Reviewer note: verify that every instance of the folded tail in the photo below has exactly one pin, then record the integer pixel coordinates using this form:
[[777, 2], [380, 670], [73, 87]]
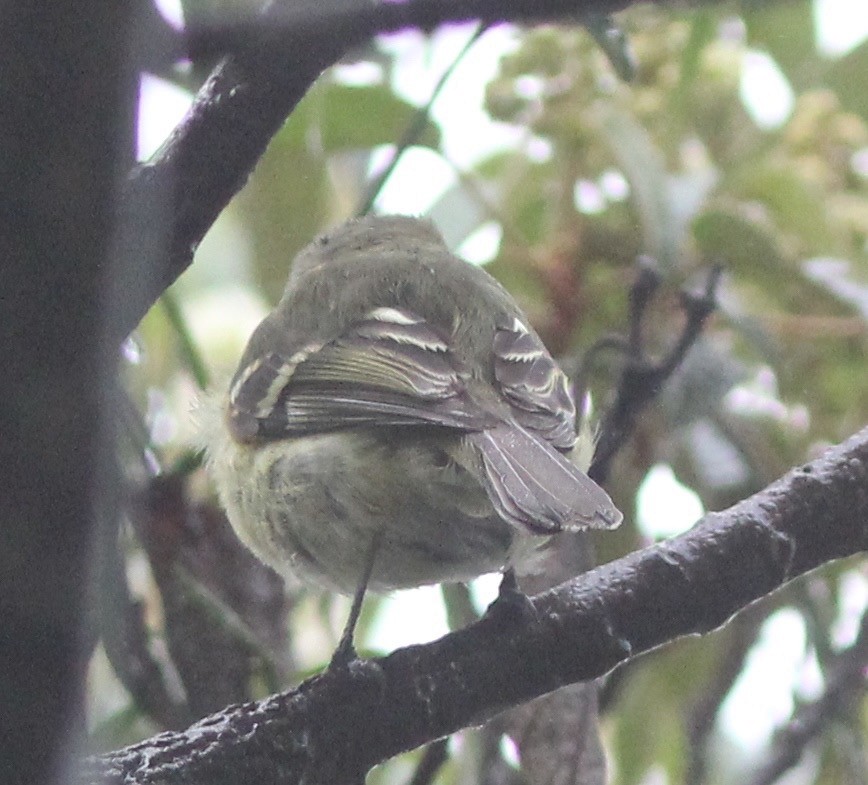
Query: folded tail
[[533, 486]]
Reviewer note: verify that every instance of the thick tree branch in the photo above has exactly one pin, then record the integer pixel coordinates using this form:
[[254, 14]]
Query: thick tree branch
[[333, 728], [169, 203], [65, 122], [362, 20]]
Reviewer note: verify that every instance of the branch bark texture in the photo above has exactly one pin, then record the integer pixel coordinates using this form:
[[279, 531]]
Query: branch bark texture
[[170, 202], [336, 726]]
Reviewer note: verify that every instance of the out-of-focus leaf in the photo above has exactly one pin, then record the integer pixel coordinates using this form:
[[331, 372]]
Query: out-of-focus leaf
[[746, 247], [682, 99], [290, 195], [786, 32], [649, 726], [523, 209], [459, 211], [703, 28], [753, 253], [366, 116], [643, 165], [797, 206], [848, 77], [286, 201], [837, 276]]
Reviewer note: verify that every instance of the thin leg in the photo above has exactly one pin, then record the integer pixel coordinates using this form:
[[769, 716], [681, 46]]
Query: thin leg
[[346, 652], [508, 585], [511, 604]]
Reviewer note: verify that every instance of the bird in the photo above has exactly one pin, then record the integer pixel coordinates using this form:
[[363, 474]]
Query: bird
[[396, 421]]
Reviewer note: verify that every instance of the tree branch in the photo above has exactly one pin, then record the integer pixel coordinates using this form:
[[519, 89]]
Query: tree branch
[[169, 203], [66, 117], [334, 727], [362, 20], [845, 684]]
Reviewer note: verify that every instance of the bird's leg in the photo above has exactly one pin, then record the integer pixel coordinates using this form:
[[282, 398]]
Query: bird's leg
[[511, 603], [345, 653]]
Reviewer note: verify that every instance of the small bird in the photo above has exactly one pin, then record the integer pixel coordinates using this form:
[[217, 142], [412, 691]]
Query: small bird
[[395, 421]]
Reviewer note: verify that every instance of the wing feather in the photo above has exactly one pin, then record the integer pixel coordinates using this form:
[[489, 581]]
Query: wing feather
[[534, 385], [535, 487], [392, 368]]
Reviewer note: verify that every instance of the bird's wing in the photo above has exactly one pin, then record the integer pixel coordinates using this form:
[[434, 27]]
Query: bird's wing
[[391, 368], [528, 479], [536, 388]]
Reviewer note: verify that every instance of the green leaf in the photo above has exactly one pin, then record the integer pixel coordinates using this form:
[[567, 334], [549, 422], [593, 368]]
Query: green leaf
[[798, 206], [286, 201], [644, 167], [703, 30], [662, 687], [753, 252], [364, 117], [743, 245], [839, 278], [786, 31], [848, 77]]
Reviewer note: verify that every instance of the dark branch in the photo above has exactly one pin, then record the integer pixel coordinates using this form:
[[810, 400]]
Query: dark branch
[[846, 684], [363, 19], [125, 638], [334, 729], [168, 204], [436, 754], [642, 379]]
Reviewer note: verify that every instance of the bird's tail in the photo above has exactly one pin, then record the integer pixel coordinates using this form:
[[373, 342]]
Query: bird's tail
[[533, 486]]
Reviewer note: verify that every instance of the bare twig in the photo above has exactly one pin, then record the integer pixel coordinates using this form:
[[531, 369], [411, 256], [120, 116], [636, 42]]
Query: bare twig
[[416, 128], [642, 379], [846, 684]]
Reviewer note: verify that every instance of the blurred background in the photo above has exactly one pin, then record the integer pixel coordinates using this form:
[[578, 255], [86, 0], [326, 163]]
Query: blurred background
[[724, 134]]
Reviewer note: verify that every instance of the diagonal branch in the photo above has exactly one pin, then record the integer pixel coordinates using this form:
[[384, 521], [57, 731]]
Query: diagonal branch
[[333, 728], [169, 203], [846, 682]]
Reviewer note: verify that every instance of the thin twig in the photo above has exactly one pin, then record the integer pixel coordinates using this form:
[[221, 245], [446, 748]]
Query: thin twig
[[189, 351], [169, 203], [416, 127], [846, 684], [642, 379]]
